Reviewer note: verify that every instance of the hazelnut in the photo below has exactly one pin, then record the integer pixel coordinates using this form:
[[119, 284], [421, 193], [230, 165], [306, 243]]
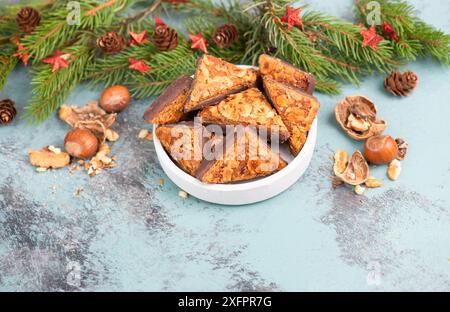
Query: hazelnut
[[81, 143], [380, 149], [115, 99]]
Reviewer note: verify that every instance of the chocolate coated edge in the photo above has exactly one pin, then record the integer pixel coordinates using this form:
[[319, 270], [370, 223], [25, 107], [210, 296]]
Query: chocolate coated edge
[[174, 90], [287, 86], [311, 78]]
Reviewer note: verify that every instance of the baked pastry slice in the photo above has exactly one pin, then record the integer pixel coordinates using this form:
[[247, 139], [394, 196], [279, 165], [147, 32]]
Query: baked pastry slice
[[215, 79], [249, 107], [244, 156], [184, 143], [282, 71], [169, 106], [297, 109]]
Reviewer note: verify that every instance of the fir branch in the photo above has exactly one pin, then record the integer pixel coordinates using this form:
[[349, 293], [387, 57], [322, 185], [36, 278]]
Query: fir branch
[[51, 89], [7, 63], [415, 36]]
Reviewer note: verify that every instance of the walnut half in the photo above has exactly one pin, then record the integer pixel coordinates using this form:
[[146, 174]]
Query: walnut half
[[357, 116], [49, 157]]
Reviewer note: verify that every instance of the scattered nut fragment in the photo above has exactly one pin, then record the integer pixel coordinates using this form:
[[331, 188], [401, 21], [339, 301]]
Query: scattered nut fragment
[[100, 161], [402, 148], [335, 182], [149, 136], [340, 162], [372, 182], [143, 134], [111, 135], [394, 170], [359, 189], [183, 194], [74, 168], [79, 191], [46, 158], [161, 181], [41, 169]]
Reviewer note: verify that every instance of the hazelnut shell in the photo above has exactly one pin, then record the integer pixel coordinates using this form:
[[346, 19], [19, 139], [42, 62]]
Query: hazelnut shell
[[366, 107], [380, 149], [81, 143], [115, 99]]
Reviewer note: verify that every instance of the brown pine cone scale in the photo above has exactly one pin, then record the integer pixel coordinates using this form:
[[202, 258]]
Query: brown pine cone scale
[[165, 38], [224, 36], [27, 19], [7, 111], [401, 84], [111, 42]]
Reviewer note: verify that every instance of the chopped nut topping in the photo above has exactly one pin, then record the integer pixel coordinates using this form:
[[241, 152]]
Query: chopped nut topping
[[394, 170]]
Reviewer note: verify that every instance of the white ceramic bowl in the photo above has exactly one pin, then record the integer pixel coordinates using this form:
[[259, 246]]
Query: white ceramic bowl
[[245, 192]]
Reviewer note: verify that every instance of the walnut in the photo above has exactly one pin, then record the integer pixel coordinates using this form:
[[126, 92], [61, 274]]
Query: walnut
[[357, 116], [49, 157], [357, 170], [90, 117], [402, 148]]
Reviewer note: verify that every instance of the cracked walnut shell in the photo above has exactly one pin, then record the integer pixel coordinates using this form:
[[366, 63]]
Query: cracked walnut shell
[[357, 170], [357, 117]]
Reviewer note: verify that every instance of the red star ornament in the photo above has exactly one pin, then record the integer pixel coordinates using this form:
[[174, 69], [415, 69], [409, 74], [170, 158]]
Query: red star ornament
[[198, 42], [58, 60], [389, 31], [21, 53], [370, 37], [159, 21], [292, 17], [138, 65], [138, 38]]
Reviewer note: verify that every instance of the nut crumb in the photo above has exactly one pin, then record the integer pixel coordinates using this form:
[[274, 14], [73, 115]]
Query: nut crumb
[[143, 134], [74, 168], [372, 182], [41, 169], [53, 149], [149, 136], [79, 191], [111, 135], [359, 189], [161, 181], [394, 170], [183, 194]]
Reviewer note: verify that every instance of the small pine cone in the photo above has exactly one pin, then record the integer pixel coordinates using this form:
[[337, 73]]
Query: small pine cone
[[401, 84], [165, 38], [7, 111], [111, 42], [224, 36], [27, 19]]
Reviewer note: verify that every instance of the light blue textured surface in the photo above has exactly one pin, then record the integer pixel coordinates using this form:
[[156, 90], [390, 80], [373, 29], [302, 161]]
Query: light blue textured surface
[[128, 233]]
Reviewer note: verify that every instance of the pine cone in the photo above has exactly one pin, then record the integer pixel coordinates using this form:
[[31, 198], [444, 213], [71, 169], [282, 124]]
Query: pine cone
[[7, 111], [111, 42], [401, 84], [27, 19], [224, 36], [165, 38]]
